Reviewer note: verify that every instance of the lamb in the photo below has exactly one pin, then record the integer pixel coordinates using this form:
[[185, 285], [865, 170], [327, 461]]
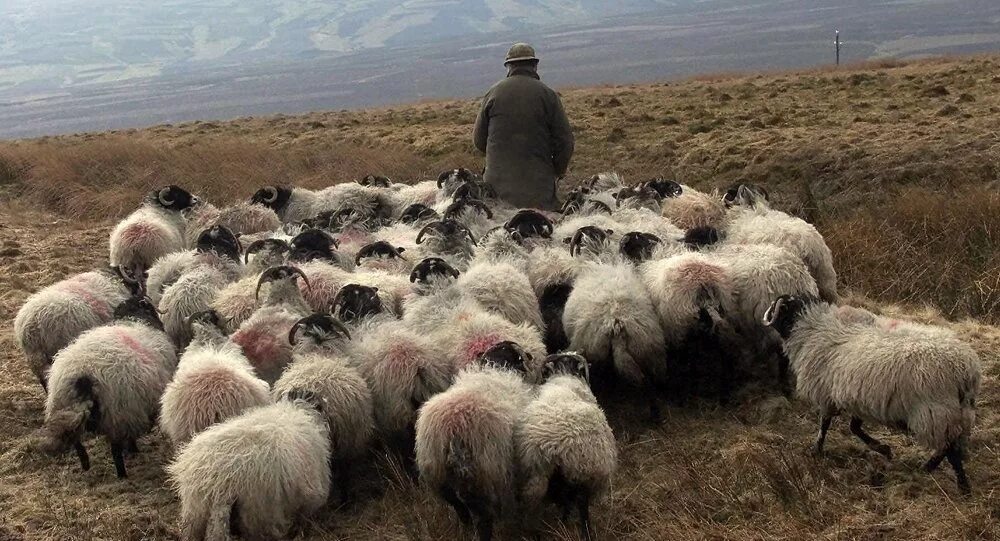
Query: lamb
[[108, 381], [52, 318], [759, 224], [263, 337], [257, 473], [292, 205], [918, 377], [320, 368], [152, 231], [214, 382], [465, 437], [616, 327], [565, 448]]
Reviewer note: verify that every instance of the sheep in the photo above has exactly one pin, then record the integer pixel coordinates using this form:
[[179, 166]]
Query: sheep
[[530, 223], [565, 448], [472, 213], [320, 368], [380, 255], [616, 326], [263, 337], [197, 288], [376, 181], [502, 289], [418, 213], [692, 208], [52, 318], [638, 197], [469, 330], [166, 271], [317, 244], [918, 377], [256, 473], [241, 218], [108, 381], [267, 253], [447, 238], [759, 224], [356, 303], [465, 437], [214, 382], [499, 244], [403, 368], [450, 180], [290, 204], [435, 301], [152, 231]]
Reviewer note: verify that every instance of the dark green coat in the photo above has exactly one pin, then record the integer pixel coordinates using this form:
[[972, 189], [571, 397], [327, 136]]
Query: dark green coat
[[527, 139]]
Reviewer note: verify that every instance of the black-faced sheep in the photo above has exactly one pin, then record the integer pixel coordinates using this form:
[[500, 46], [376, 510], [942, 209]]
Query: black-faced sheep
[[154, 230]]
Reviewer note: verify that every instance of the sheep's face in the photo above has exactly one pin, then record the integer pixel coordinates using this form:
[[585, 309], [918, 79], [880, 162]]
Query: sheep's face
[[699, 237], [355, 301], [450, 231], [747, 195], [589, 237], [507, 355], [172, 198], [273, 197], [637, 197], [530, 223], [280, 274], [375, 181], [638, 246], [567, 363], [136, 286], [458, 207], [417, 213], [451, 179], [272, 250], [784, 312], [666, 188], [139, 308], [319, 328], [379, 249], [221, 240], [312, 244], [430, 268], [474, 189]]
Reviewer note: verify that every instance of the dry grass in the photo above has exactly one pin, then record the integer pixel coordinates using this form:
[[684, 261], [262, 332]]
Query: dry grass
[[900, 176]]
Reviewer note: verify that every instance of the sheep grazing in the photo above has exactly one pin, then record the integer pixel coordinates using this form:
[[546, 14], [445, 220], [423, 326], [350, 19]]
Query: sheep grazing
[[52, 318], [566, 450], [108, 381], [214, 382], [152, 231], [263, 336], [465, 437], [321, 369], [900, 374], [256, 474]]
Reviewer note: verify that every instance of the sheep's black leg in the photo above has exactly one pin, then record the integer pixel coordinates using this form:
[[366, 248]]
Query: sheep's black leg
[[344, 475], [583, 508], [935, 461], [118, 454], [485, 527], [408, 452], [45, 384], [786, 388], [824, 425], [871, 442], [81, 453], [449, 495], [954, 455], [133, 446], [484, 521]]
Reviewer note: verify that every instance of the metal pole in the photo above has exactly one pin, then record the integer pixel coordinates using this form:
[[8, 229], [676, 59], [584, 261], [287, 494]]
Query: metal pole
[[837, 42]]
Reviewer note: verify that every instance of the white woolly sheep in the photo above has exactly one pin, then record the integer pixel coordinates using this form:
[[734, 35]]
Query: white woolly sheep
[[52, 318], [292, 205], [260, 472], [502, 289], [214, 382], [154, 230], [108, 381], [465, 437], [241, 218], [900, 374], [690, 209], [566, 450]]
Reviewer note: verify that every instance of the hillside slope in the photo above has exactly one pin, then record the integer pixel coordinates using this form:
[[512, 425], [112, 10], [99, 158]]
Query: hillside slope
[[897, 164]]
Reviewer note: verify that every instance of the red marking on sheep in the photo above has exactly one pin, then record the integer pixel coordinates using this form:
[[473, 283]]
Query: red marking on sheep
[[892, 324], [142, 353], [261, 347], [475, 347], [400, 357], [79, 289], [699, 273], [138, 232]]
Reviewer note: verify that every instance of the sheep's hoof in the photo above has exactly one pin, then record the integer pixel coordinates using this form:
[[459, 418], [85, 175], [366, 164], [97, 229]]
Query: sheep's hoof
[[884, 450]]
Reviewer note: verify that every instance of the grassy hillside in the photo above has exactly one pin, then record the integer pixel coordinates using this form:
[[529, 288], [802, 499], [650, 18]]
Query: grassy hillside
[[897, 165]]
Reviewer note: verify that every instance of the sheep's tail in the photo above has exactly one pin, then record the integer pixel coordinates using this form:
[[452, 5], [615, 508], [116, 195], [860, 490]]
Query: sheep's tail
[[220, 517], [65, 427], [624, 362], [458, 467]]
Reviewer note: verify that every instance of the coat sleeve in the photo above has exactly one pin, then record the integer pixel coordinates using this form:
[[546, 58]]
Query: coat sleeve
[[562, 137], [480, 134]]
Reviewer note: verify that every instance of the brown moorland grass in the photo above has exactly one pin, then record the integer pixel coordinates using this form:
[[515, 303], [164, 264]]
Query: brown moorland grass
[[897, 164]]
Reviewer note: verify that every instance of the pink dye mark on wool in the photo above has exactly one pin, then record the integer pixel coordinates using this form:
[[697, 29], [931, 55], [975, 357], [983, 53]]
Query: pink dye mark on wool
[[261, 347], [475, 347], [891, 324], [99, 307], [399, 359], [138, 232], [698, 273], [142, 353]]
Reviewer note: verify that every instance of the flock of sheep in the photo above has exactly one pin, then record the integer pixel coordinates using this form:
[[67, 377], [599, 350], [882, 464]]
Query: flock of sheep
[[275, 341]]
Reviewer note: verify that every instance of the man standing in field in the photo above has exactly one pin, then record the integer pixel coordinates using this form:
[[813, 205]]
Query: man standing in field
[[525, 134]]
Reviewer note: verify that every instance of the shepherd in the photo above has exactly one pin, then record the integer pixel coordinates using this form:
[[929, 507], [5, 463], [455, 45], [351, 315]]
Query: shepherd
[[525, 134]]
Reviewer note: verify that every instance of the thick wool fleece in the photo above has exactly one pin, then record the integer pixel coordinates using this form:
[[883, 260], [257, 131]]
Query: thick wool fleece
[[465, 435], [53, 317], [907, 374], [693, 209], [502, 289], [146, 235], [129, 365], [564, 430], [272, 463]]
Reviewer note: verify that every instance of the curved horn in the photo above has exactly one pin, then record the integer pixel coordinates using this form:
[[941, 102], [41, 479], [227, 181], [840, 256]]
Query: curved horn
[[414, 274], [338, 301], [574, 243], [467, 232], [254, 247], [433, 226], [305, 278], [772, 311], [477, 204], [272, 194], [295, 329], [164, 198], [339, 325], [443, 177]]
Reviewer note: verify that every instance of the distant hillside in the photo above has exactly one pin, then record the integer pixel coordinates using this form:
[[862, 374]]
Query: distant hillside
[[92, 65]]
